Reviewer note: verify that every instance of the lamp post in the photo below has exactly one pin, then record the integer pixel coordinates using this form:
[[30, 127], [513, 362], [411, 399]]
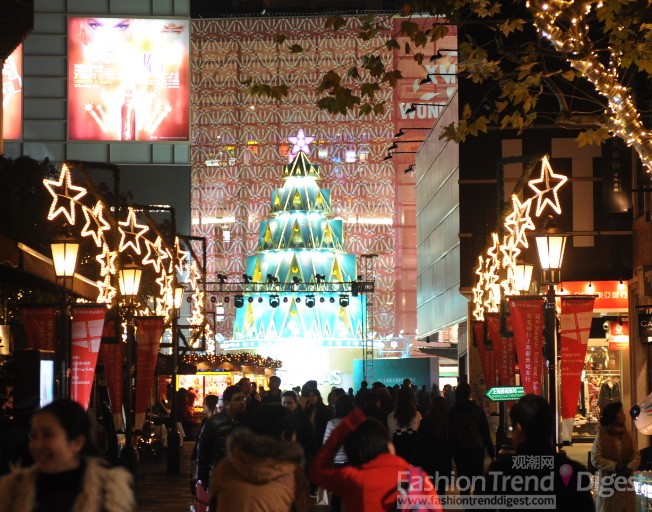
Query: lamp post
[[129, 280], [174, 438], [65, 249], [551, 242]]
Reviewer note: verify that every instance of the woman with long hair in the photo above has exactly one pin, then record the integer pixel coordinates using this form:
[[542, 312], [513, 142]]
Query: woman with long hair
[[66, 475], [615, 455], [433, 452], [403, 423], [343, 407]]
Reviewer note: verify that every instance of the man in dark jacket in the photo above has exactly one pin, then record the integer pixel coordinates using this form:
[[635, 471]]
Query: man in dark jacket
[[554, 473], [469, 434], [211, 446]]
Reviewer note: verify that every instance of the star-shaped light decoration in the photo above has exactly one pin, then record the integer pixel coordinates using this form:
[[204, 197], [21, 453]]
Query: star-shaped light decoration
[[155, 254], [107, 291], [69, 193], [95, 217], [519, 221], [300, 143], [182, 256], [131, 235], [547, 175], [509, 251], [106, 260]]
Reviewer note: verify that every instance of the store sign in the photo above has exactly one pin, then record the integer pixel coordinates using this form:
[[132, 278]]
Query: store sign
[[505, 393], [610, 295], [619, 335], [645, 327]]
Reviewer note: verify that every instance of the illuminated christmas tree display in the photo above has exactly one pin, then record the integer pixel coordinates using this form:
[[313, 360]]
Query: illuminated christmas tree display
[[301, 283]]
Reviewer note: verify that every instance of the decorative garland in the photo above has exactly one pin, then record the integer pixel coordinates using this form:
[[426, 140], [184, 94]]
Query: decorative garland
[[234, 358]]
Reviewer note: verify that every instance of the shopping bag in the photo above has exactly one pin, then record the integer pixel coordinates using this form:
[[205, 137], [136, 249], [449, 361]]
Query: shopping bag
[[322, 496], [201, 497]]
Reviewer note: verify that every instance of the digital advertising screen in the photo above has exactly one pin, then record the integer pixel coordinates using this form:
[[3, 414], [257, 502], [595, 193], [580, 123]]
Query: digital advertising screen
[[12, 95], [128, 79]]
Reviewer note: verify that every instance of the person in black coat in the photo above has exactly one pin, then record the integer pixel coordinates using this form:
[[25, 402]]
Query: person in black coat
[[211, 445], [433, 451], [469, 434], [554, 473], [318, 413]]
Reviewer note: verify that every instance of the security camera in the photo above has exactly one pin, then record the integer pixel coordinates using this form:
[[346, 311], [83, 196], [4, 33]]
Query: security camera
[[605, 325]]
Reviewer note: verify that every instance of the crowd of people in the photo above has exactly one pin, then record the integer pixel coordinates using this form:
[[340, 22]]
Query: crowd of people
[[278, 450]]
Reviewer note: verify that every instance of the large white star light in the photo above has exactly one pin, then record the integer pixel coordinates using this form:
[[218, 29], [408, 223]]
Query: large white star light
[[300, 143], [543, 188]]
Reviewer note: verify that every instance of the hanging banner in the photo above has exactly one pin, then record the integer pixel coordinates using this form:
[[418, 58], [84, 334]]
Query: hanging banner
[[527, 322], [40, 324], [487, 359], [112, 354], [149, 330], [503, 351], [576, 315], [85, 339]]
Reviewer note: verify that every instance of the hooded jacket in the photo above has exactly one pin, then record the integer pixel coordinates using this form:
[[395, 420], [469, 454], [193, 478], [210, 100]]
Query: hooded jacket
[[260, 474], [103, 489]]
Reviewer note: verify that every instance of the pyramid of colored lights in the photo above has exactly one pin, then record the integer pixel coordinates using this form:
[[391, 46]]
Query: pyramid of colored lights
[[301, 276]]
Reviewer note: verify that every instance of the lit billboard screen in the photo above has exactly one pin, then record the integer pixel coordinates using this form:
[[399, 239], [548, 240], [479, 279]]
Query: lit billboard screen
[[128, 79], [12, 95]]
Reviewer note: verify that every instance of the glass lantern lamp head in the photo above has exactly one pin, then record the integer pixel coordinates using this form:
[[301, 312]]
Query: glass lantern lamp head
[[65, 249], [551, 242], [129, 279], [523, 276], [178, 297]]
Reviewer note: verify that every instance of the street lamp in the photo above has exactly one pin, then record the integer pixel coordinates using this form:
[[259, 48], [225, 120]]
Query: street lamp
[[129, 281], [65, 249], [551, 242], [174, 439], [523, 276]]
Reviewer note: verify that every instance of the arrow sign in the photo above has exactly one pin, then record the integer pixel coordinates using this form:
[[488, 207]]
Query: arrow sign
[[504, 393]]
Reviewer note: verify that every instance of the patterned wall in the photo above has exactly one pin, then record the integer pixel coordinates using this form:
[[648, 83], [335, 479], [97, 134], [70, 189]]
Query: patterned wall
[[245, 139]]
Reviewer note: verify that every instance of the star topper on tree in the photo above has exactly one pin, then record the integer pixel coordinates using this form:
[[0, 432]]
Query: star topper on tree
[[300, 143]]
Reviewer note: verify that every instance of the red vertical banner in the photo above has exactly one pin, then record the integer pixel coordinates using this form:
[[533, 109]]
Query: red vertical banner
[[487, 359], [503, 351], [527, 322], [149, 330], [86, 337], [40, 325], [576, 316], [112, 354]]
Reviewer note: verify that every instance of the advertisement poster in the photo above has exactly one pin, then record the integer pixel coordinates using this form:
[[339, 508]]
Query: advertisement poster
[[40, 325], [128, 79], [503, 351], [487, 359], [149, 330], [86, 337], [528, 322], [12, 95], [575, 321]]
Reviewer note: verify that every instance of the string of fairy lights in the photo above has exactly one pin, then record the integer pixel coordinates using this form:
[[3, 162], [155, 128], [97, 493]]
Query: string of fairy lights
[[562, 23], [234, 358], [135, 243], [496, 268]]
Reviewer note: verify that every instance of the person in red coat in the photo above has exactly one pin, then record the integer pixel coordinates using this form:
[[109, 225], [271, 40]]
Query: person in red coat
[[371, 482]]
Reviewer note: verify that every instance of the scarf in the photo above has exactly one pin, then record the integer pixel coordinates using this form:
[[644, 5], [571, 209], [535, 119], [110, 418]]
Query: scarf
[[608, 436]]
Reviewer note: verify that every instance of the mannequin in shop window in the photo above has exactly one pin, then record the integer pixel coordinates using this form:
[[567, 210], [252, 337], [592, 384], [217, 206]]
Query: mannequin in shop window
[[609, 392]]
